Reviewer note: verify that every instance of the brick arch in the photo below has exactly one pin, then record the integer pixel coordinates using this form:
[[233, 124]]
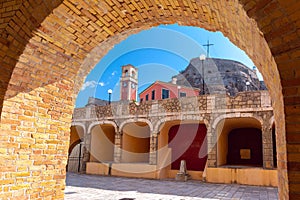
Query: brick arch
[[19, 20], [47, 54]]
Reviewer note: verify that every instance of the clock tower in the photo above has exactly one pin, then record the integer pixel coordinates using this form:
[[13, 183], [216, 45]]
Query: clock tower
[[128, 83]]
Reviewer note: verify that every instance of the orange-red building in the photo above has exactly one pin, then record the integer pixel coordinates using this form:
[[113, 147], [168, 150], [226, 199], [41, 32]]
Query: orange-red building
[[162, 90]]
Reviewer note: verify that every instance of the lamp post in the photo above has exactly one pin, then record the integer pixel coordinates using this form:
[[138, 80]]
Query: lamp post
[[247, 85], [202, 58], [109, 95], [178, 89]]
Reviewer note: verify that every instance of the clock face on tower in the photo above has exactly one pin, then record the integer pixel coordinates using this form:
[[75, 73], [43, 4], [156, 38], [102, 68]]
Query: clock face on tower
[[132, 85], [124, 84]]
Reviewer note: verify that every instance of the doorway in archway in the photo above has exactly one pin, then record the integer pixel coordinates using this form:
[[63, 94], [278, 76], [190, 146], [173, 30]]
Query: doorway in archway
[[188, 142]]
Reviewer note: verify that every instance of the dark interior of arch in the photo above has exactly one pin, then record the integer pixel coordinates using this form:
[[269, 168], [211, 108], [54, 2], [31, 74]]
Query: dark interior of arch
[[243, 141]]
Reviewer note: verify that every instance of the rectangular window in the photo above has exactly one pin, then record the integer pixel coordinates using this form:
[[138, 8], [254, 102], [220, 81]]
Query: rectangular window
[[182, 94], [245, 153], [165, 94], [153, 95], [141, 100], [147, 97]]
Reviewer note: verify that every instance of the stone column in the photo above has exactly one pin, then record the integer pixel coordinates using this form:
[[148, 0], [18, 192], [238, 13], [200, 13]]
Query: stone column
[[118, 147], [153, 149], [86, 151], [211, 147], [267, 145]]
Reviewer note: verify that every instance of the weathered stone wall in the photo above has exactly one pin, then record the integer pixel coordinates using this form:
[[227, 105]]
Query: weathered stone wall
[[48, 47], [203, 103]]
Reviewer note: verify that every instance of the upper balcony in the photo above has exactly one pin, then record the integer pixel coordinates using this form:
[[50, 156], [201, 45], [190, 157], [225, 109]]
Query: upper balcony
[[216, 103]]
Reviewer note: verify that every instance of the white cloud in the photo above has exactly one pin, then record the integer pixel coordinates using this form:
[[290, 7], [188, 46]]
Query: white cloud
[[101, 84], [114, 73], [91, 84]]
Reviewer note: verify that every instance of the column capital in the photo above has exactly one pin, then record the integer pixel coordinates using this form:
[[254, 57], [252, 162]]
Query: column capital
[[154, 134]]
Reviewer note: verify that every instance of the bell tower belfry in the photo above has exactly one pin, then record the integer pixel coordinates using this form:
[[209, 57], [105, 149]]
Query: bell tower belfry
[[128, 83]]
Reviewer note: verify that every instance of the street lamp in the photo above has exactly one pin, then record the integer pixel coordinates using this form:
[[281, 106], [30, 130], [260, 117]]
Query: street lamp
[[247, 85], [202, 58], [178, 88], [109, 95]]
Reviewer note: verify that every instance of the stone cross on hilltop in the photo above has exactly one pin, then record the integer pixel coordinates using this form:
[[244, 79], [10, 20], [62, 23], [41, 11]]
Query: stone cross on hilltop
[[207, 46]]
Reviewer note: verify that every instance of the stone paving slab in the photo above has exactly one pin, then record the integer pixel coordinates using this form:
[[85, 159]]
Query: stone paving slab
[[82, 186]]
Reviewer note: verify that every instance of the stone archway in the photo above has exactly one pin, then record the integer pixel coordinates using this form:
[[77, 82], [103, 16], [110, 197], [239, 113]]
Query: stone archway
[[182, 139], [244, 153], [46, 55], [237, 133], [135, 142], [76, 135], [102, 143]]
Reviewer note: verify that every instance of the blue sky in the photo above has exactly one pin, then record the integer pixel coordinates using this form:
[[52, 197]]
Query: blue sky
[[159, 53]]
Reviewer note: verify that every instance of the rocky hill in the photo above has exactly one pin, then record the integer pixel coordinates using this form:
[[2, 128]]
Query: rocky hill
[[220, 76]]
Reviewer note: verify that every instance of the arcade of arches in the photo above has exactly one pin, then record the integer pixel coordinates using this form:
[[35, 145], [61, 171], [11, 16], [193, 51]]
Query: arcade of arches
[[48, 47], [226, 148]]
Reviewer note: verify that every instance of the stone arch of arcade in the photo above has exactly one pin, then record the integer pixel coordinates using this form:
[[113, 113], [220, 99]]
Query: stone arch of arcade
[[77, 138], [235, 135], [160, 123], [135, 141], [47, 54], [244, 143], [146, 121], [107, 122], [77, 135], [182, 138], [102, 142], [224, 124]]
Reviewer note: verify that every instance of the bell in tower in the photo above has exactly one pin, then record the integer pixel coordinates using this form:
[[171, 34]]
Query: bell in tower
[[128, 83]]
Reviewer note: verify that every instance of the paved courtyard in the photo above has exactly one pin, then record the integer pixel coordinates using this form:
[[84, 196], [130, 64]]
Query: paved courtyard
[[81, 186]]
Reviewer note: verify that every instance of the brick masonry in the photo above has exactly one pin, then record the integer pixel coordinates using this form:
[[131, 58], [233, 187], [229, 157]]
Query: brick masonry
[[48, 47]]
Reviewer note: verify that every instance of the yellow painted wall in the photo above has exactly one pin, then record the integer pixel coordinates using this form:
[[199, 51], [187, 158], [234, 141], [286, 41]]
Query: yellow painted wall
[[164, 152], [102, 143], [222, 149], [123, 169], [136, 170], [246, 176], [135, 143], [97, 168]]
